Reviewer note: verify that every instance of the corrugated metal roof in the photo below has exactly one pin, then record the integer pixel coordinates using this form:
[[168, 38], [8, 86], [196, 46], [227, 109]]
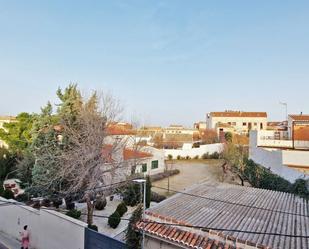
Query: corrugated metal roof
[[240, 213]]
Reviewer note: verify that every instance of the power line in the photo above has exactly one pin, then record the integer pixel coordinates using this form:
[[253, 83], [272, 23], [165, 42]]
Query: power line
[[232, 203], [206, 229]]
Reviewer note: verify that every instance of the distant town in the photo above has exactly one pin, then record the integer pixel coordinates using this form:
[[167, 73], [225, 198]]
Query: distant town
[[90, 180]]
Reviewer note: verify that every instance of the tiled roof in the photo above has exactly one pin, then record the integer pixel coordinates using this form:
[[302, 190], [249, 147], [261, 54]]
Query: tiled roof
[[183, 237], [239, 208], [239, 114], [116, 130], [302, 117], [128, 154], [133, 154]]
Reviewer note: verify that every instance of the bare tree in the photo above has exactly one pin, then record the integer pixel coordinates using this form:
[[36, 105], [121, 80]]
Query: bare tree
[[80, 156]]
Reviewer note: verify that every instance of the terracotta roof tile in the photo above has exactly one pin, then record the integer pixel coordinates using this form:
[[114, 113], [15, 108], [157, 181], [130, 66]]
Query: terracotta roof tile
[[239, 114], [303, 117], [186, 238]]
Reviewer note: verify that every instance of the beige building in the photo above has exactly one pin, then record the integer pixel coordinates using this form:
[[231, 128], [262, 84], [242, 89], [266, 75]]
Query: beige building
[[237, 121]]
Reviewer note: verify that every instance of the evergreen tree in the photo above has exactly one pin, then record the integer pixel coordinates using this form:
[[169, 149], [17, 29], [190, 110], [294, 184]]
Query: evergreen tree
[[148, 191], [133, 237]]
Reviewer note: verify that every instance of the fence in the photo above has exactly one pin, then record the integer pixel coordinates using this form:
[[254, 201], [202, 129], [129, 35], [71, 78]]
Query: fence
[[94, 240]]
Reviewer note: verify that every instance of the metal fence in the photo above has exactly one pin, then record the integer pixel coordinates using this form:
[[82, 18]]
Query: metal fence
[[95, 240]]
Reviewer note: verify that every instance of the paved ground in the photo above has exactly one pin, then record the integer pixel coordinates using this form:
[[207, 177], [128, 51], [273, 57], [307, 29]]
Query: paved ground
[[7, 242], [191, 172]]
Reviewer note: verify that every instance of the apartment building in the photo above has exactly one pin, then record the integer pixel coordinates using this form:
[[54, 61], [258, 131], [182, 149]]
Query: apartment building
[[236, 121]]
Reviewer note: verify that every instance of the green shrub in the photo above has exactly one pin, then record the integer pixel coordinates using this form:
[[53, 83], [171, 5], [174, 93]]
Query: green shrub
[[188, 157], [24, 197], [214, 155], [196, 157], [93, 227], [46, 203], [8, 194], [74, 213], [131, 195], [114, 220], [121, 209], [1, 188], [57, 202], [100, 203], [170, 157], [155, 197], [205, 156], [178, 157], [300, 187]]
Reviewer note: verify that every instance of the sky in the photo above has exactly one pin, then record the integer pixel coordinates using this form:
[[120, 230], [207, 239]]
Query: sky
[[168, 62]]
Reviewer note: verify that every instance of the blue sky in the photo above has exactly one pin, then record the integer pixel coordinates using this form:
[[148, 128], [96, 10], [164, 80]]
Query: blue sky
[[167, 61]]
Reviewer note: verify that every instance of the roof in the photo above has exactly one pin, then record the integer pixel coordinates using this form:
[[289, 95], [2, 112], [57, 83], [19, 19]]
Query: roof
[[243, 209], [239, 114], [302, 117], [119, 130], [181, 236], [134, 154], [127, 153]]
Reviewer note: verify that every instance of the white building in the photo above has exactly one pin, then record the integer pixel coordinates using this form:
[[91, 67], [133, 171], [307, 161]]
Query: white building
[[276, 151], [237, 121]]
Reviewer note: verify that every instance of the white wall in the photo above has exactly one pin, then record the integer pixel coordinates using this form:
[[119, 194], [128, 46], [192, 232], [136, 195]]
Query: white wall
[[276, 159], [193, 152], [295, 157], [48, 229], [158, 154]]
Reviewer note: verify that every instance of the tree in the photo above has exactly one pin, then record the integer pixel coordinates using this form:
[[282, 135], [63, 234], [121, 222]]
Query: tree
[[7, 163], [133, 237], [148, 191], [69, 146], [114, 219], [228, 136], [17, 134], [209, 136]]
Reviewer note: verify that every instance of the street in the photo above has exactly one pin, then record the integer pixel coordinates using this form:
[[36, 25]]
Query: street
[[7, 242]]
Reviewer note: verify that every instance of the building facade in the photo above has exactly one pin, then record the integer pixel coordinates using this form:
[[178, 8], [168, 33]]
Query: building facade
[[236, 121]]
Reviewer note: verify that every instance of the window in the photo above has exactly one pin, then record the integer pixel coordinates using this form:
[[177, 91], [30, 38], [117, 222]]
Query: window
[[234, 123], [244, 124], [255, 124], [155, 164], [261, 126], [144, 167]]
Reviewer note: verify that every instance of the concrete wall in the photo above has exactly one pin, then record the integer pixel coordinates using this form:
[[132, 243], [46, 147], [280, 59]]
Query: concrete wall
[[153, 243], [295, 157], [193, 152], [277, 159], [48, 229]]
